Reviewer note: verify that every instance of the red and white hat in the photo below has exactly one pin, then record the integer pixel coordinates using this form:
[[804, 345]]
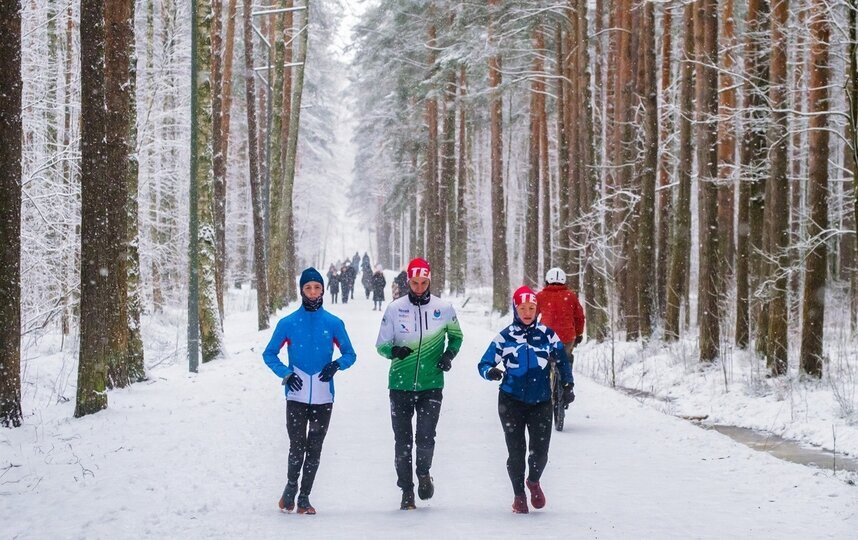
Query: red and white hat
[[418, 268], [523, 295]]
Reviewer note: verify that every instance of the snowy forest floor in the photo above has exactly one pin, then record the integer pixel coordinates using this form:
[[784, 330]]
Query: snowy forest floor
[[204, 455]]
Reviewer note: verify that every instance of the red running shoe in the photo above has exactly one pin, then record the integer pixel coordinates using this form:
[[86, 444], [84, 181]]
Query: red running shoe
[[537, 497], [519, 504], [304, 506], [287, 501]]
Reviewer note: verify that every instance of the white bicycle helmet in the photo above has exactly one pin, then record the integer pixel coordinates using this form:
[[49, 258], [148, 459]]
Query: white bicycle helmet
[[555, 275]]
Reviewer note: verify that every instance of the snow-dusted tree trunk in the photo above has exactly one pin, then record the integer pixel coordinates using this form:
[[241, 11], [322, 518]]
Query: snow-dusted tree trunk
[[218, 157], [664, 212], [816, 270], [777, 201], [262, 313], [595, 268], [222, 150], [852, 144], [564, 89], [706, 49], [464, 165], [281, 79], [648, 175], [120, 98], [531, 225], [287, 215], [753, 164], [726, 145], [211, 334], [11, 133], [500, 264], [447, 180], [680, 242], [101, 237]]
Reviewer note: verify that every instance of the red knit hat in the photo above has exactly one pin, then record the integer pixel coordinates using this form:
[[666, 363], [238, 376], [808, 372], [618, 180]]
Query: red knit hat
[[419, 268], [523, 295]]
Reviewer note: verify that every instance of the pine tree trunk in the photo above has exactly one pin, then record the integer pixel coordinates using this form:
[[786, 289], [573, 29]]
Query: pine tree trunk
[[815, 273], [665, 203], [798, 142], [447, 183], [101, 237], [646, 229], [726, 147], [211, 333], [706, 46], [500, 264], [545, 190], [572, 108], [852, 145], [12, 134], [777, 200], [126, 87], [119, 32], [218, 158], [680, 243], [287, 215], [753, 161], [563, 90], [623, 147], [70, 272], [277, 151], [225, 116], [462, 188], [262, 313], [595, 296], [531, 220]]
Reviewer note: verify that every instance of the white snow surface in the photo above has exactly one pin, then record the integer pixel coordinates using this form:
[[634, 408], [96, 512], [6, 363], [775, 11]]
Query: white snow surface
[[204, 456]]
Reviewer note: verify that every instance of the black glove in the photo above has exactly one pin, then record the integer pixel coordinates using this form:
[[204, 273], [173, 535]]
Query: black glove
[[579, 339], [568, 395], [446, 361], [400, 352], [495, 374], [293, 381], [328, 371]]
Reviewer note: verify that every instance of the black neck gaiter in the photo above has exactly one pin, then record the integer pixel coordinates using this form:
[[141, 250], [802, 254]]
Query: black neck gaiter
[[421, 300], [312, 305]]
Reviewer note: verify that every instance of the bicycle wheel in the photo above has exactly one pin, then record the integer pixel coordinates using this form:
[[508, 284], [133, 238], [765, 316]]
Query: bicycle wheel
[[557, 404]]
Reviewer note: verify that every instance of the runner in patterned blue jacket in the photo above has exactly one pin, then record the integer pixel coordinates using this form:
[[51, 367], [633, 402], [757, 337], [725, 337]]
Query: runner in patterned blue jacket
[[524, 401], [310, 334], [524, 350]]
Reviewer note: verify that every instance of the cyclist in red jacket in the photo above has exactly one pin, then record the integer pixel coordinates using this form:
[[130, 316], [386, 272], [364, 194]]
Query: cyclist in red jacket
[[560, 309]]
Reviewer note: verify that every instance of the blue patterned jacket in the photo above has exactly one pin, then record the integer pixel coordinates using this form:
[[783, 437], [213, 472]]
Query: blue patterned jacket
[[524, 352]]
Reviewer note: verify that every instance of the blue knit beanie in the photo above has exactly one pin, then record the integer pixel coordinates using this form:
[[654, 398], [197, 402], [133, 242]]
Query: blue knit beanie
[[311, 274]]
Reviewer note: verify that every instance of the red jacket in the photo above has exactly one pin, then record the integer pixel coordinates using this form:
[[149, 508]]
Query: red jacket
[[561, 311]]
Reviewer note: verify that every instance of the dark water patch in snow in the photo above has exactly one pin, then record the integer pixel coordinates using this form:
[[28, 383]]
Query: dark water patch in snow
[[786, 449]]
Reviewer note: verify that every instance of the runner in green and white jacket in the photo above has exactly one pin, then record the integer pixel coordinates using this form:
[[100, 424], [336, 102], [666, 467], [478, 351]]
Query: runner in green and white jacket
[[421, 335]]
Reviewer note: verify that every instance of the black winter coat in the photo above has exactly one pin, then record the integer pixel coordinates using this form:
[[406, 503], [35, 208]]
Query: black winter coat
[[378, 283]]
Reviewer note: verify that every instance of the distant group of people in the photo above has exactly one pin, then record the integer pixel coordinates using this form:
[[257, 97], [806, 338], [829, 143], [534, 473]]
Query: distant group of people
[[421, 336], [342, 278]]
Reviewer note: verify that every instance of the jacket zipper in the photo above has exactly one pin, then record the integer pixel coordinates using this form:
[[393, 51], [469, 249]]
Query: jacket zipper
[[419, 344]]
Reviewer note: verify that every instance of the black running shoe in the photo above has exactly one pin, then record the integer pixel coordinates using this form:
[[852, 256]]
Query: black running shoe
[[407, 500], [425, 488]]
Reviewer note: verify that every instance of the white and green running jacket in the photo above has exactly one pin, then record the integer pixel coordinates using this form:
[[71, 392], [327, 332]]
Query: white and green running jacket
[[424, 329]]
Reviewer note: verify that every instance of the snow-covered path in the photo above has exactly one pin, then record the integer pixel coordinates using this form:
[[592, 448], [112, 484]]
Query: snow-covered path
[[204, 456]]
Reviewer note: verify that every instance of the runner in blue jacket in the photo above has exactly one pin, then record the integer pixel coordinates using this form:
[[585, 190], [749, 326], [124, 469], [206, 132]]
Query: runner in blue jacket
[[310, 334], [525, 349]]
